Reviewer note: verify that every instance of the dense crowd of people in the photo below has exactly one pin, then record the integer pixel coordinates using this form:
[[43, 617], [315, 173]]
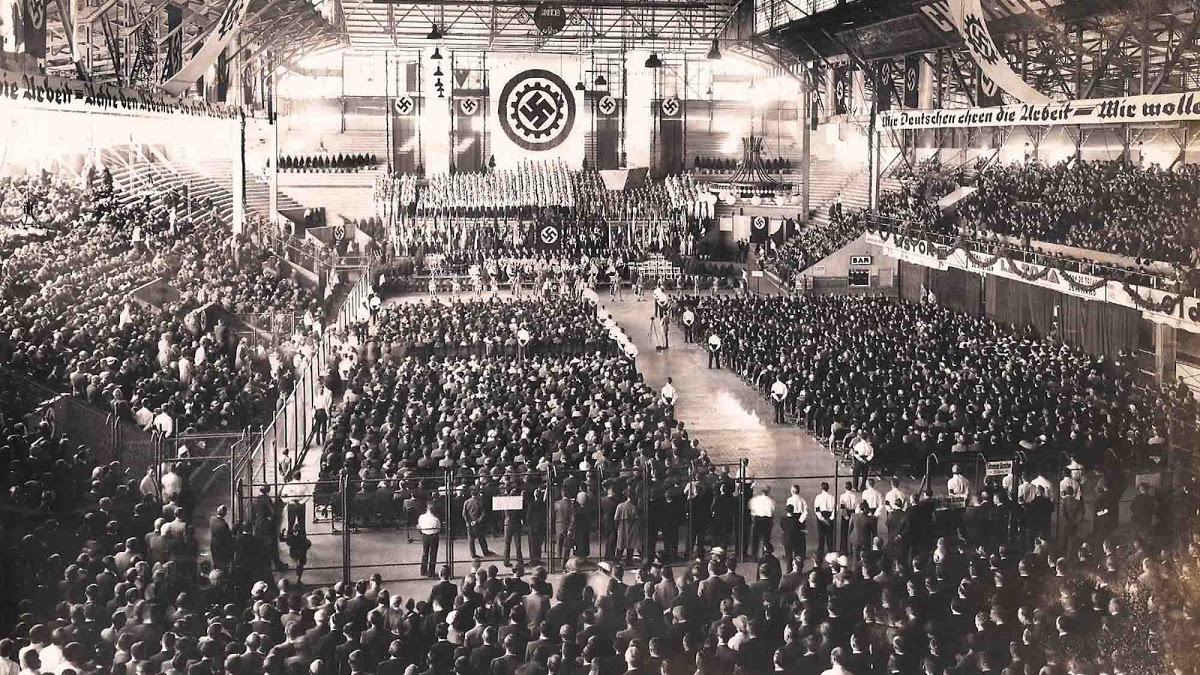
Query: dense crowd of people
[[919, 379], [135, 596], [1136, 212], [812, 242], [325, 163], [68, 314]]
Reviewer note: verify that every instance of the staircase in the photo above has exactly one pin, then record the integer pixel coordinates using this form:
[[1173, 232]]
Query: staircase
[[829, 179]]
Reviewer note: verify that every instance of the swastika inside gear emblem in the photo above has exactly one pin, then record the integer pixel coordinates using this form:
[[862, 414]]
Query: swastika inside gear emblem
[[536, 110], [670, 106], [607, 105]]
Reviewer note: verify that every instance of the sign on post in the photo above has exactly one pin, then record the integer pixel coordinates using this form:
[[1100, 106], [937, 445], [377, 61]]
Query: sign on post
[[1002, 468], [508, 503]]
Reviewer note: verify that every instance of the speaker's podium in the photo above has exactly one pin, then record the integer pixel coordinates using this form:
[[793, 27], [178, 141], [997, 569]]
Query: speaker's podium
[[624, 179]]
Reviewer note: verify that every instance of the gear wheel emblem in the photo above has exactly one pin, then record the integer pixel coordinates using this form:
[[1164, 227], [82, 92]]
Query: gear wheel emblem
[[536, 110]]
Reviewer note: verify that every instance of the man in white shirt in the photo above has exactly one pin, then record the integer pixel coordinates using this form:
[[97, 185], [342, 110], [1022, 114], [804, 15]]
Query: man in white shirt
[[164, 423], [896, 495], [799, 506], [688, 320], [1043, 482], [321, 403], [824, 507], [172, 486], [762, 514], [430, 527], [862, 453], [668, 393], [779, 392], [873, 499], [958, 487], [848, 503], [714, 351]]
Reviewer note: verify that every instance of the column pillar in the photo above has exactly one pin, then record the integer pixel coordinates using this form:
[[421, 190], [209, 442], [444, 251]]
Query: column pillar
[[806, 119], [1165, 344]]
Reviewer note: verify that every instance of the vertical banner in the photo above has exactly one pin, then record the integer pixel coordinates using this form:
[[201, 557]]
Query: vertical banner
[[912, 81], [173, 60], [12, 25], [670, 135], [206, 54], [608, 129], [468, 134], [223, 76], [841, 89], [405, 153], [35, 28], [987, 94], [970, 21], [884, 86]]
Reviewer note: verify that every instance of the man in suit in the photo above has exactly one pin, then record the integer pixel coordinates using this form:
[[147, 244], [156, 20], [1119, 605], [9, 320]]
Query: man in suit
[[535, 523], [564, 524], [474, 515], [514, 526], [220, 542]]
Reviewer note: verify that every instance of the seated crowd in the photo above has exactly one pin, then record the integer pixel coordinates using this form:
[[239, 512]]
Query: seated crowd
[[134, 597], [326, 162], [812, 242], [919, 379], [1139, 213], [69, 315]]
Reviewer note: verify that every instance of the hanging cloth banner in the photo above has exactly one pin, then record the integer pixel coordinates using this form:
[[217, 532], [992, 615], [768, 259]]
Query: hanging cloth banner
[[216, 42], [174, 57], [35, 28], [1149, 109], [970, 20]]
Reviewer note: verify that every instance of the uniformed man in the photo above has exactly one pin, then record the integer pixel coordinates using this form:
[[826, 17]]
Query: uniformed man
[[689, 318], [779, 393], [714, 351]]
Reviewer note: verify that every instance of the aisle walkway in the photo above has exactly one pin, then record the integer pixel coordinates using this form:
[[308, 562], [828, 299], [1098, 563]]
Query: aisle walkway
[[726, 415]]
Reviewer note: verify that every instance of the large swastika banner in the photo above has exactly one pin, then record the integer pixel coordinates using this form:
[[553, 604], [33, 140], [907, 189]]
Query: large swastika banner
[[538, 113]]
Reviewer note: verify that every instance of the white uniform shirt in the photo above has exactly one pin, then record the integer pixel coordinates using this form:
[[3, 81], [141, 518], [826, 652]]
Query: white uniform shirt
[[668, 393], [873, 499], [824, 502], [428, 523], [958, 486], [799, 506], [762, 506], [864, 450], [779, 391]]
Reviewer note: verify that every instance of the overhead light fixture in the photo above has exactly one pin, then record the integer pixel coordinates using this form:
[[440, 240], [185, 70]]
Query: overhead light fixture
[[579, 86], [709, 92], [438, 72], [435, 33], [601, 81], [714, 52], [654, 61], [437, 55]]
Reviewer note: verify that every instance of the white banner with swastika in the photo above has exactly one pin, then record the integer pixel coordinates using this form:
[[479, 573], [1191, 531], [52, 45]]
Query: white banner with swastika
[[538, 114]]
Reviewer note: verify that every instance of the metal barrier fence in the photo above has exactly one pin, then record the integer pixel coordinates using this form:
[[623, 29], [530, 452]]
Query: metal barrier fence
[[284, 441], [562, 519]]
